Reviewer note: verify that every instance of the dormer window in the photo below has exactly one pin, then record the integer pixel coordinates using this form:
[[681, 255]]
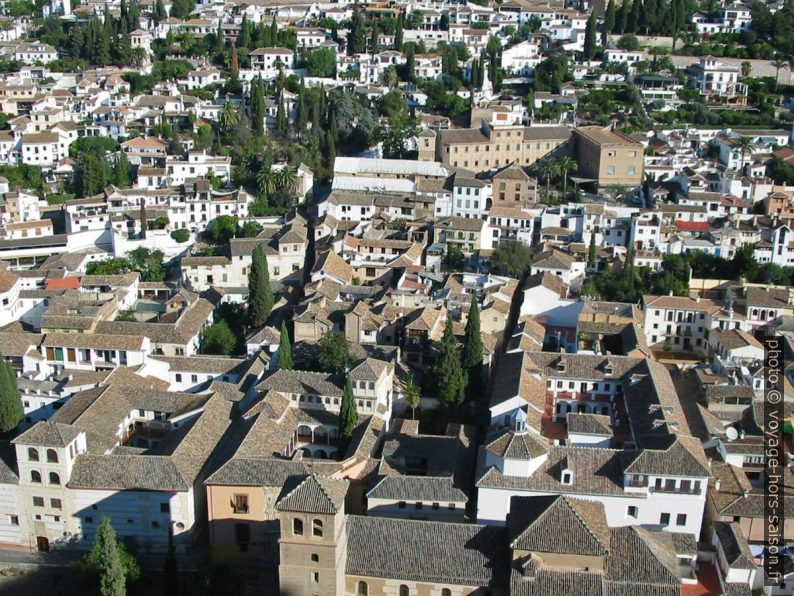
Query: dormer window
[[561, 364], [566, 477]]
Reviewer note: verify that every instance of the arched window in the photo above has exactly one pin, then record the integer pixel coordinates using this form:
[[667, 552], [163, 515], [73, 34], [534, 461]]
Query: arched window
[[54, 478], [315, 558], [446, 592], [317, 528], [33, 454], [35, 477], [297, 527], [404, 591], [52, 456], [363, 590]]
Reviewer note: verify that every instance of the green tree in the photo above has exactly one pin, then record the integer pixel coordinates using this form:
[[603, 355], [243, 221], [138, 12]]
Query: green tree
[[548, 168], [121, 171], [282, 124], [566, 164], [413, 395], [222, 228], [284, 359], [112, 573], [410, 63], [348, 417], [512, 258], [449, 372], [321, 62], [473, 348], [373, 39], [609, 22], [333, 353], [159, 13], [779, 62], [744, 145], [356, 39], [180, 236], [590, 37], [260, 295], [398, 35], [11, 410], [250, 229], [591, 251], [219, 339], [628, 42]]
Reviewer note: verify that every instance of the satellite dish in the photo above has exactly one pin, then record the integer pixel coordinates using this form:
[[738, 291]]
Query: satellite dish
[[732, 433]]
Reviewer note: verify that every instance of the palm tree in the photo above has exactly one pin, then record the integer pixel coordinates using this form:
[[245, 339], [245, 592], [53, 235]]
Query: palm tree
[[566, 164], [548, 169], [229, 117], [266, 180], [287, 178], [139, 55], [744, 145], [778, 63], [413, 395]]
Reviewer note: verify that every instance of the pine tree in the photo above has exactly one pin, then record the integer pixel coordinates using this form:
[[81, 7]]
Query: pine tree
[[348, 417], [590, 38], [449, 371], [111, 569], [260, 295], [284, 360], [398, 35], [472, 347], [11, 410]]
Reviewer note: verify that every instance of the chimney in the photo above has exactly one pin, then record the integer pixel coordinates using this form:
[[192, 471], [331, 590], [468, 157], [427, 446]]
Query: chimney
[[716, 485], [670, 293]]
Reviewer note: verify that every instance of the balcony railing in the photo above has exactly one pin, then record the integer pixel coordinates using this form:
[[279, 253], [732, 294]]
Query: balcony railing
[[676, 490]]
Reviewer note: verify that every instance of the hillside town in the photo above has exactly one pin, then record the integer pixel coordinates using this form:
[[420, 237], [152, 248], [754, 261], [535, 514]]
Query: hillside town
[[439, 297]]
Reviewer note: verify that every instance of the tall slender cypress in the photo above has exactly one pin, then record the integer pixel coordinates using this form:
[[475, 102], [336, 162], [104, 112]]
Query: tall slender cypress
[[11, 410], [260, 296], [284, 360]]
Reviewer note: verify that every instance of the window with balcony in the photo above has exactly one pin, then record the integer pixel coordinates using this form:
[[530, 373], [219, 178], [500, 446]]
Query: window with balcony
[[240, 503]]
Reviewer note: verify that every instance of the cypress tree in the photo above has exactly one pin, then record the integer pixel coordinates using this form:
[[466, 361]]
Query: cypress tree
[[410, 63], [623, 17], [258, 107], [159, 12], [121, 171], [348, 417], [273, 32], [373, 39], [635, 16], [171, 569], [331, 148], [590, 38], [218, 47], [356, 41], [284, 360], [472, 346], [302, 117], [449, 372], [112, 572], [398, 35], [281, 117], [245, 33], [609, 21], [591, 251], [11, 410], [260, 296]]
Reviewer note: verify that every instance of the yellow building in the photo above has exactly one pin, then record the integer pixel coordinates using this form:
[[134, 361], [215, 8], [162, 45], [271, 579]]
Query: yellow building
[[608, 156]]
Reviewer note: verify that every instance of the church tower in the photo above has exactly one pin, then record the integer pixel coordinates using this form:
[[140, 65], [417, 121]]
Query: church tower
[[313, 543]]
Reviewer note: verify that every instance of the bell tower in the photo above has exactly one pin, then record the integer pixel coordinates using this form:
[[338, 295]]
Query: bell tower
[[313, 542]]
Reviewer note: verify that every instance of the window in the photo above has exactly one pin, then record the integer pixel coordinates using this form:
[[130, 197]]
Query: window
[[54, 478], [401, 504], [297, 527], [632, 170], [52, 456], [446, 592], [33, 454], [165, 508], [451, 506], [178, 377], [610, 170], [240, 503], [14, 519], [435, 506], [316, 577], [419, 504], [317, 528], [404, 591], [664, 519], [35, 477], [680, 519], [363, 589], [632, 511], [38, 501], [315, 558]]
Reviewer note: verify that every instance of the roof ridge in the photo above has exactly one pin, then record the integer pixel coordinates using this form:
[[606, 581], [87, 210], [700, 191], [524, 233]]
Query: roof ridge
[[570, 504]]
